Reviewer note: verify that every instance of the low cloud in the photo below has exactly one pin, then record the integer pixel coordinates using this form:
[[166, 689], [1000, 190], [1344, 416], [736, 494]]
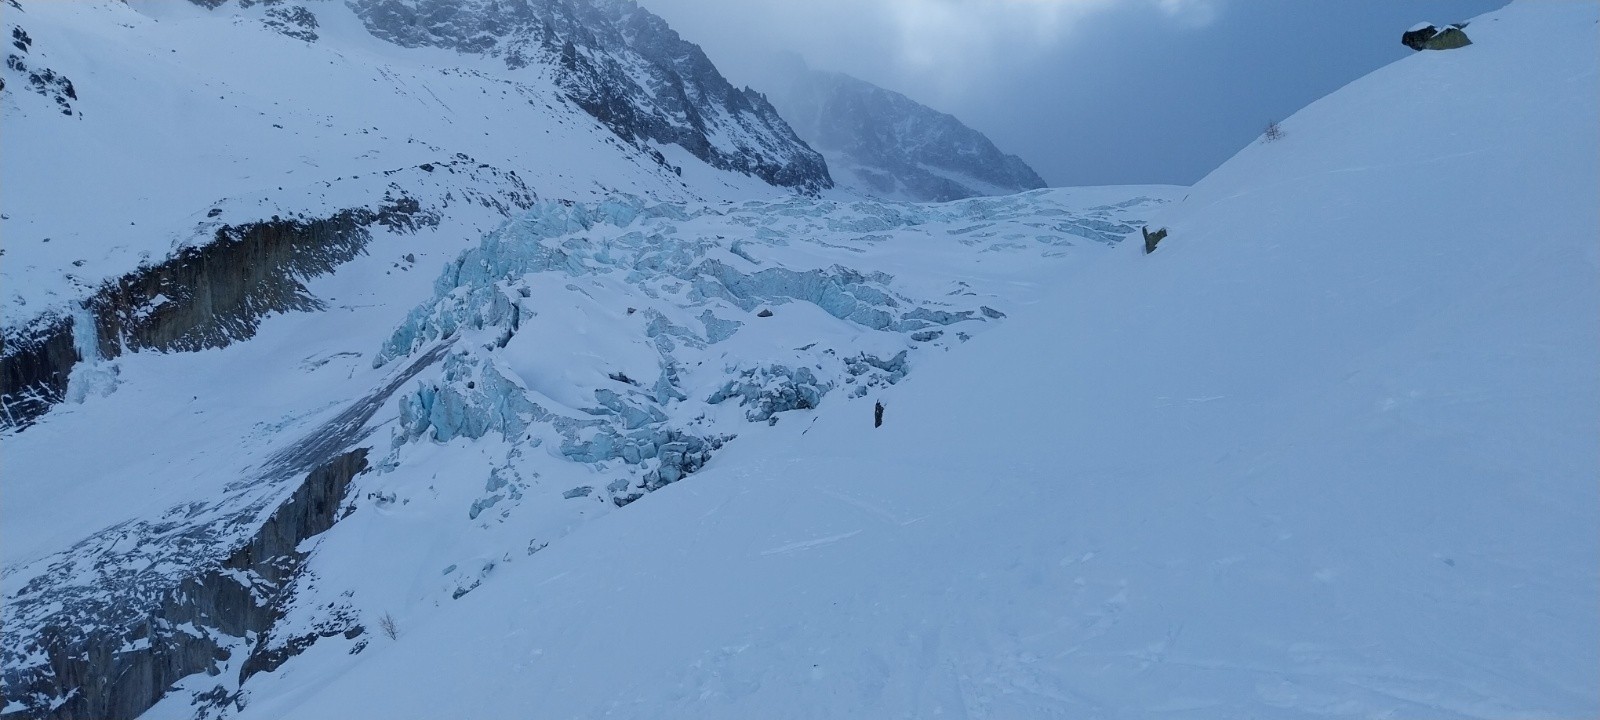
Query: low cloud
[[937, 50]]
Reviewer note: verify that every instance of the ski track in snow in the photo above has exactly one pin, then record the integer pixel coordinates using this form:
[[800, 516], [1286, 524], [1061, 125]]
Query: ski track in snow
[[808, 544]]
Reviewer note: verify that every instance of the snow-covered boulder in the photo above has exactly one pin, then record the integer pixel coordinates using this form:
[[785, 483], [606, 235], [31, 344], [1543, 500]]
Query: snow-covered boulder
[[1423, 36]]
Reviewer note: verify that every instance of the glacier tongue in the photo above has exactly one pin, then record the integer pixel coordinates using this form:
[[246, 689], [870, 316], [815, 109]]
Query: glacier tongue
[[595, 353], [576, 359], [624, 331]]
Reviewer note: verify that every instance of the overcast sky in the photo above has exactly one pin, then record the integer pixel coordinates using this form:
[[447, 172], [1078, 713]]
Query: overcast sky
[[1088, 92]]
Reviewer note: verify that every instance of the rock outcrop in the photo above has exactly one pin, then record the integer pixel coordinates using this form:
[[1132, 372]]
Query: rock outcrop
[[1427, 37], [217, 290], [44, 81], [622, 65], [203, 297], [1152, 239], [113, 661]]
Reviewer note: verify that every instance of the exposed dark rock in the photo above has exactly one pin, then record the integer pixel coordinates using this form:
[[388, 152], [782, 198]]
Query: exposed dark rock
[[113, 668], [622, 65], [1151, 239], [44, 81], [294, 21], [1428, 37], [122, 615], [204, 297], [219, 292], [34, 363]]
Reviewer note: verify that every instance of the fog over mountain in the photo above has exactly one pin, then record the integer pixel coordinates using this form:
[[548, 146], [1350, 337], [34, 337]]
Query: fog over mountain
[[885, 145], [1087, 92]]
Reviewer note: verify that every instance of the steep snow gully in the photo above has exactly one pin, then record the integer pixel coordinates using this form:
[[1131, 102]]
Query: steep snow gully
[[1328, 451]]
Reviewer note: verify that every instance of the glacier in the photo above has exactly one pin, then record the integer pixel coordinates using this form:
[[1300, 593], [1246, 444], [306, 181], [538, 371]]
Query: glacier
[[594, 438], [1313, 458], [667, 280], [575, 359]]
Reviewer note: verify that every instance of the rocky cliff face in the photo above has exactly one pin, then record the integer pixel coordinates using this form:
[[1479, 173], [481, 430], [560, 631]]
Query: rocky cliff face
[[215, 293], [624, 66], [617, 61], [205, 296], [889, 146], [85, 658]]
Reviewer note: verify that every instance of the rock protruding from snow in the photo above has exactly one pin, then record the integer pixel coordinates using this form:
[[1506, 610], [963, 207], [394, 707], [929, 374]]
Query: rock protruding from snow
[[72, 652], [23, 67], [1423, 36], [621, 64], [217, 291]]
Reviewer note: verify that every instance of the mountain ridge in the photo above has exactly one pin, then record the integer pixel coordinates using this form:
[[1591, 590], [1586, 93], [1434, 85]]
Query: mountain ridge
[[883, 144]]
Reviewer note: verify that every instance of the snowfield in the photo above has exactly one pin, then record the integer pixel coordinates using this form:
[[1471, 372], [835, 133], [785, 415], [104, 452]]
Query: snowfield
[[1329, 451], [581, 356]]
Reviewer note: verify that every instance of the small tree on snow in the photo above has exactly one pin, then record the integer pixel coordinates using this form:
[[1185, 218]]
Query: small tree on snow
[[1272, 133], [389, 627]]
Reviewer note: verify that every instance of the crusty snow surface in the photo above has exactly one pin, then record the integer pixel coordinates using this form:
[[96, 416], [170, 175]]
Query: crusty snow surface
[[1329, 452]]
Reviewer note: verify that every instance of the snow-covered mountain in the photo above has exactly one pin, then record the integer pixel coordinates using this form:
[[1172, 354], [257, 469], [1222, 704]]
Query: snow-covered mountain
[[1328, 451], [270, 312], [885, 145], [621, 64], [138, 134], [588, 438]]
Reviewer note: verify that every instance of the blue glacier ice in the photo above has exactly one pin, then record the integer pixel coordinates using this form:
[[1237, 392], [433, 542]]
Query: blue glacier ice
[[675, 278]]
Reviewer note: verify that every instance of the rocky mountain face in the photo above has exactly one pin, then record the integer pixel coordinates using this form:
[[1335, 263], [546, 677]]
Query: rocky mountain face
[[621, 64], [886, 145]]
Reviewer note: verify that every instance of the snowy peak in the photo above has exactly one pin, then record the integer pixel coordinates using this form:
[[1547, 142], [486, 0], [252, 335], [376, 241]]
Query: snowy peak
[[886, 145], [621, 64]]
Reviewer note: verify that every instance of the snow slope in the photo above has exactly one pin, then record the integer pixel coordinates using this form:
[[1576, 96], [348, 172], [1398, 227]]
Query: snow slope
[[1330, 451], [582, 355], [178, 109]]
